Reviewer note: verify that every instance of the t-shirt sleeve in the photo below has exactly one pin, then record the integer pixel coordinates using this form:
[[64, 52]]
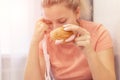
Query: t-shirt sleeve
[[104, 40]]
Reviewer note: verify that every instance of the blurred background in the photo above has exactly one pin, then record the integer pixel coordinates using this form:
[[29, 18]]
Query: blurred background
[[17, 20]]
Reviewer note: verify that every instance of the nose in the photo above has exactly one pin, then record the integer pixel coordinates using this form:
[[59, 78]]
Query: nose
[[55, 25]]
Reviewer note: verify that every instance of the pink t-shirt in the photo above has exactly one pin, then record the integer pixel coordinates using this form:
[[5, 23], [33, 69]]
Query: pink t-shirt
[[68, 61]]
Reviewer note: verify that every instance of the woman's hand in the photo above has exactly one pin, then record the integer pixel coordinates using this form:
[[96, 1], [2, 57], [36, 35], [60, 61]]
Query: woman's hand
[[81, 36], [104, 60], [40, 29]]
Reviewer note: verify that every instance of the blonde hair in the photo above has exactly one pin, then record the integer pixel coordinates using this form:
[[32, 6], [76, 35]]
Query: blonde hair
[[84, 5]]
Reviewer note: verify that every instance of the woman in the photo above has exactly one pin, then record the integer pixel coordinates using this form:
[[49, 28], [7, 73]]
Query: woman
[[86, 56]]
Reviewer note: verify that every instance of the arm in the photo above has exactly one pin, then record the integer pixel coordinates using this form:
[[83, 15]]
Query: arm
[[33, 69], [102, 64], [35, 65]]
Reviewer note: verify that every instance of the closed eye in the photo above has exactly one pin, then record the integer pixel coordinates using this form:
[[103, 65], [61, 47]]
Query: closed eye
[[62, 21]]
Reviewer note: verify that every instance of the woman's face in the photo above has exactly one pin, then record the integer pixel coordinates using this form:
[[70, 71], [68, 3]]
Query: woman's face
[[58, 15]]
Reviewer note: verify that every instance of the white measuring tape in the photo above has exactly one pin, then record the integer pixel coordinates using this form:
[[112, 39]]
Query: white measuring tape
[[48, 75]]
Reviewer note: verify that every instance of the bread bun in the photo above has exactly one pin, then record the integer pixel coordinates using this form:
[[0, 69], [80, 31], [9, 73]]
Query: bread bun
[[60, 34]]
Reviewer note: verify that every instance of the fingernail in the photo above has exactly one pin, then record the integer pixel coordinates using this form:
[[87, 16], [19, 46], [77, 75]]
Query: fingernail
[[70, 38], [57, 42], [65, 29], [66, 25]]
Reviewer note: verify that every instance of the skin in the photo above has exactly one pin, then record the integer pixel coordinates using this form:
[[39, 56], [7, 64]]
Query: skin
[[35, 65], [101, 64]]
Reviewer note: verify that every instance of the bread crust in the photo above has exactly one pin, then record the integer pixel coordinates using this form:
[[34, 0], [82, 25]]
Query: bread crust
[[60, 34]]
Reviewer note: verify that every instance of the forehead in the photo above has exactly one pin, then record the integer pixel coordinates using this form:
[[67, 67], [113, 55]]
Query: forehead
[[56, 11]]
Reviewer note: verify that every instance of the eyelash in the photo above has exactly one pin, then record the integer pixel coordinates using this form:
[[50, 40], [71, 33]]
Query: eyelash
[[62, 21]]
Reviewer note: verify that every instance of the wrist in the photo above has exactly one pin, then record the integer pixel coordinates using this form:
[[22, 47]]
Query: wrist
[[36, 39], [89, 52], [35, 42]]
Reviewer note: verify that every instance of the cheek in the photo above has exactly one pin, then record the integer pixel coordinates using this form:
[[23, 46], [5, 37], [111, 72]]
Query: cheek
[[72, 18], [72, 21]]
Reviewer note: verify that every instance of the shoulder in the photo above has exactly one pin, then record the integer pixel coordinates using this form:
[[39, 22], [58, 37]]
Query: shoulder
[[94, 28], [101, 37]]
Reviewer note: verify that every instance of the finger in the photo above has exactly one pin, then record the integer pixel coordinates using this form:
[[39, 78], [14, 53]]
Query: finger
[[49, 27], [70, 27], [66, 25], [42, 26], [59, 42], [40, 23], [40, 20], [82, 38], [75, 29], [82, 43], [71, 38]]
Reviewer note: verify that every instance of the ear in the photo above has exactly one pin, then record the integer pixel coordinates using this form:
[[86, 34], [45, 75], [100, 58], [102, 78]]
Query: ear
[[77, 12]]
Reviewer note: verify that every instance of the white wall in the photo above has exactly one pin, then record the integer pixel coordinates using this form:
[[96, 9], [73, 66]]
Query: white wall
[[17, 20], [107, 12]]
